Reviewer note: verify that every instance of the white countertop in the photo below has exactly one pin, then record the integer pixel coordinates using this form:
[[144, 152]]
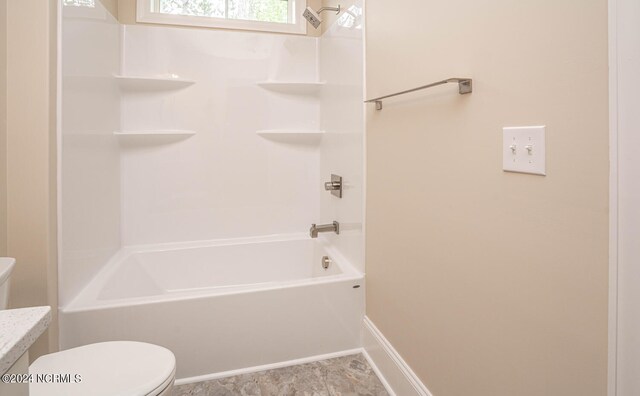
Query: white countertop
[[19, 328]]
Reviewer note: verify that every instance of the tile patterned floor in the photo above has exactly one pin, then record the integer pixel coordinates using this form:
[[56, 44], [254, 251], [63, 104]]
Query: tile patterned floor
[[344, 376]]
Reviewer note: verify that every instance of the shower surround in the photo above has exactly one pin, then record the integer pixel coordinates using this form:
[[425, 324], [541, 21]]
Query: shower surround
[[192, 167]]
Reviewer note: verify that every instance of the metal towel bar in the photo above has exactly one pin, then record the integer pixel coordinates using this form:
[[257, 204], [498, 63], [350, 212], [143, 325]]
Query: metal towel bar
[[465, 86]]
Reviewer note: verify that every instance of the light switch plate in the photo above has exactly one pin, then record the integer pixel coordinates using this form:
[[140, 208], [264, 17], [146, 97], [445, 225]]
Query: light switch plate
[[523, 150]]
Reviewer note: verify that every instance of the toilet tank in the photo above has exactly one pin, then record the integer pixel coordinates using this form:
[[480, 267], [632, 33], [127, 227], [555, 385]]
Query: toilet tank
[[6, 266]]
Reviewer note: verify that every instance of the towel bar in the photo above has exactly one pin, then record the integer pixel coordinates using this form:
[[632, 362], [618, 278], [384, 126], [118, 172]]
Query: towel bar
[[465, 86]]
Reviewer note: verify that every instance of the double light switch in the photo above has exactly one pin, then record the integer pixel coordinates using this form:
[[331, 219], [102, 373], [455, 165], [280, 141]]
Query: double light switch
[[524, 150]]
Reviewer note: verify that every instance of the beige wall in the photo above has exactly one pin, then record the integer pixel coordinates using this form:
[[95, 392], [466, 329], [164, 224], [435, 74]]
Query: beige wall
[[31, 155], [126, 11], [111, 6], [3, 127], [490, 283], [329, 17]]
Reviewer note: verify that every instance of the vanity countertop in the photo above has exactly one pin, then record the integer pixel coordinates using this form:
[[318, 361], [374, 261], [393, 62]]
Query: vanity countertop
[[19, 328]]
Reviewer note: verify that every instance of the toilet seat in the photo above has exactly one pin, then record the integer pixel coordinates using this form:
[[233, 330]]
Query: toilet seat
[[118, 368]]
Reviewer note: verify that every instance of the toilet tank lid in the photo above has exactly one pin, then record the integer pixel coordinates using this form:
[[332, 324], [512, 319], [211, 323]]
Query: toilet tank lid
[[6, 265]]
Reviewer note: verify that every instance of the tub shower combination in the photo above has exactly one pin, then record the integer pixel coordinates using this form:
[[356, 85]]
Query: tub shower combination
[[194, 164]]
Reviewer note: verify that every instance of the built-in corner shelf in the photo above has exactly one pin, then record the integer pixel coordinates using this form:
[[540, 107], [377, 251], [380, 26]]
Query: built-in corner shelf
[[292, 135], [162, 132], [292, 87], [155, 83]]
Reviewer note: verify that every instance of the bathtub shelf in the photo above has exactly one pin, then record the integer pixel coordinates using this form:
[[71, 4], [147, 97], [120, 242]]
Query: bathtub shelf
[[152, 83], [167, 132], [292, 87], [292, 135]]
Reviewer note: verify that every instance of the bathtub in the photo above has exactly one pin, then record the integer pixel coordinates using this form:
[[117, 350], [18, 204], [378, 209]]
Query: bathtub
[[223, 306]]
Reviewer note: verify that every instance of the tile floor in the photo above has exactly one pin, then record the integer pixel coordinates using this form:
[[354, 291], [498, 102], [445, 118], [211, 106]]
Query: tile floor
[[344, 376]]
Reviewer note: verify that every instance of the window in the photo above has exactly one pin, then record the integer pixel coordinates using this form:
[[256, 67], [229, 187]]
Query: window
[[80, 3], [83, 9], [267, 15]]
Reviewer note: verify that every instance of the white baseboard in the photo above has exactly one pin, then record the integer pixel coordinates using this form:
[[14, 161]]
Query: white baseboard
[[255, 369], [393, 371]]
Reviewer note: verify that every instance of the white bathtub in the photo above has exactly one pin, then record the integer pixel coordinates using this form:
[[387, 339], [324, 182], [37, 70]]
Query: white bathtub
[[224, 305]]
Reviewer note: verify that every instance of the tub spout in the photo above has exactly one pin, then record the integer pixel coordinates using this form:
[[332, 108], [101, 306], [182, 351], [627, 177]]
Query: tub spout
[[315, 229]]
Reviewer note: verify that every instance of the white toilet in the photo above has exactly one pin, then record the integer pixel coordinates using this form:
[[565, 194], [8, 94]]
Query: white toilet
[[116, 368], [107, 369]]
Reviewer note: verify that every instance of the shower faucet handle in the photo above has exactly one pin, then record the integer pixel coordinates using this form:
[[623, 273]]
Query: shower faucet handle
[[331, 186], [335, 186]]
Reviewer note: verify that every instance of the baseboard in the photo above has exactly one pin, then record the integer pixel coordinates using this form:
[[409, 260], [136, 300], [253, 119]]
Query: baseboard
[[255, 369], [393, 371]]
